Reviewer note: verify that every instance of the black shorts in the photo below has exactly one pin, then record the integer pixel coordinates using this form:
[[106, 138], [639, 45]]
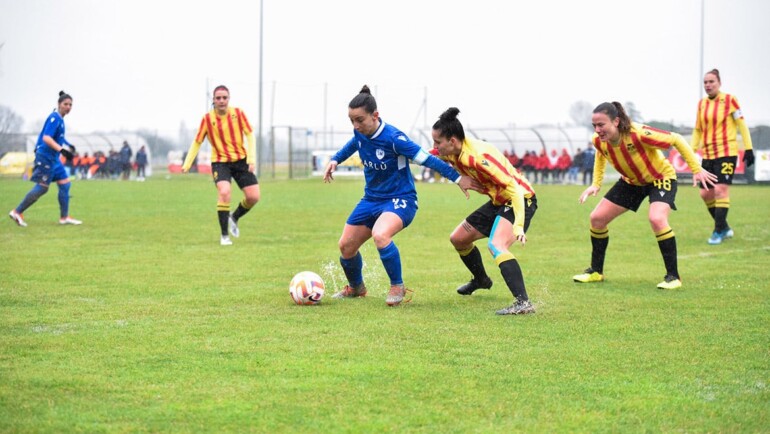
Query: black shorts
[[723, 168], [237, 170], [631, 196], [483, 218]]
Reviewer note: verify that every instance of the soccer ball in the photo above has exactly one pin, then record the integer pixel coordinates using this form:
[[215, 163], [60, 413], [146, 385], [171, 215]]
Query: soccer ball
[[306, 288]]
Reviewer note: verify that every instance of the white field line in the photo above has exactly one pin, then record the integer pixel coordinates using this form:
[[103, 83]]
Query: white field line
[[718, 252]]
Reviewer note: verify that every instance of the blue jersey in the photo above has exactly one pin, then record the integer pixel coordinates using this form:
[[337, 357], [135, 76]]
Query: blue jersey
[[54, 127], [385, 157]]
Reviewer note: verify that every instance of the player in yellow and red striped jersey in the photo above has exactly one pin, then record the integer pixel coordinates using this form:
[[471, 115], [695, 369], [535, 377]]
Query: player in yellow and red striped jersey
[[634, 150], [504, 219], [715, 133], [225, 128]]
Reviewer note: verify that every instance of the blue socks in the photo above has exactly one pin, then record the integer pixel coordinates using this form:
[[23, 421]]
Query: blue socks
[[391, 259], [352, 268], [31, 197], [64, 199]]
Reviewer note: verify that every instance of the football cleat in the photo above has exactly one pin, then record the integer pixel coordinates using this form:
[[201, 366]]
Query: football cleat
[[69, 221], [588, 276], [728, 233], [670, 282], [18, 218], [518, 308], [716, 238], [468, 288], [225, 241], [350, 292], [396, 295], [232, 224]]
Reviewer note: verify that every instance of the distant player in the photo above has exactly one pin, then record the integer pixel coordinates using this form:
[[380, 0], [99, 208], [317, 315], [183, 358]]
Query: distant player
[[504, 219], [634, 150], [51, 143], [390, 199], [719, 119], [225, 128]]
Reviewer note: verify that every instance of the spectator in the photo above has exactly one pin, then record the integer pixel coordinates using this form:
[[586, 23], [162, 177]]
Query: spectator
[[588, 165], [562, 164], [84, 164], [125, 160], [574, 168], [552, 168], [141, 163], [114, 165], [512, 158], [541, 167], [529, 163], [75, 165]]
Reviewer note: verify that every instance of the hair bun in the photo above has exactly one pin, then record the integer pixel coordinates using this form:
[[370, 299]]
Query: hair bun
[[62, 93], [449, 114], [365, 89]]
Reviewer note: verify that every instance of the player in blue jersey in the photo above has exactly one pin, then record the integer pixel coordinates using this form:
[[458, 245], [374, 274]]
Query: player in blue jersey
[[48, 167], [390, 199]]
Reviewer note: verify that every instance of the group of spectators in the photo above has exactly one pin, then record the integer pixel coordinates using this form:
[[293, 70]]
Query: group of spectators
[[547, 169], [114, 165], [556, 168]]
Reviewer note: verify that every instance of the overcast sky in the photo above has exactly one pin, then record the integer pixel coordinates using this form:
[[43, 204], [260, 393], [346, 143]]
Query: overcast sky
[[149, 64]]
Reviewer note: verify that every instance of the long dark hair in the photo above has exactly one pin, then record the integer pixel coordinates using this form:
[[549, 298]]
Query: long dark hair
[[364, 99], [449, 126], [63, 95], [615, 110]]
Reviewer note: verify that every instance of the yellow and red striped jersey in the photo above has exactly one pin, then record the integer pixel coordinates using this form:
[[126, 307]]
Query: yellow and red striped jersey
[[638, 156], [225, 134], [502, 182], [717, 125]]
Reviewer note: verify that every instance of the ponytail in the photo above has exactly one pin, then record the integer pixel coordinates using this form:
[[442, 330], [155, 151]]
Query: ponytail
[[615, 110]]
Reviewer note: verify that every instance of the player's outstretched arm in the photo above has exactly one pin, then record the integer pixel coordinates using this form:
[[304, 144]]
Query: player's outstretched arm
[[467, 183], [330, 168], [705, 178], [590, 191]]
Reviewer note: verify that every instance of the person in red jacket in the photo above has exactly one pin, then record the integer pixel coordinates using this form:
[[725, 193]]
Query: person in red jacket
[[562, 165]]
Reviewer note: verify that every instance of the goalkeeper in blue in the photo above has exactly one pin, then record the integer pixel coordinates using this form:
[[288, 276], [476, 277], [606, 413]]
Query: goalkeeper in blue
[[390, 199], [48, 166]]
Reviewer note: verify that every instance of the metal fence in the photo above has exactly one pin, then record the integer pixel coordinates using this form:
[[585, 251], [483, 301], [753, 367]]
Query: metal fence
[[288, 151]]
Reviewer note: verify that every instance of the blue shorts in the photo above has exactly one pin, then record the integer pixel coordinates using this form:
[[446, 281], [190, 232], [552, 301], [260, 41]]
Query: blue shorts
[[46, 173], [368, 211]]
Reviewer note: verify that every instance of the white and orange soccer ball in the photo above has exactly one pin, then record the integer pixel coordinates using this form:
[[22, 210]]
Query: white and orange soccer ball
[[306, 288]]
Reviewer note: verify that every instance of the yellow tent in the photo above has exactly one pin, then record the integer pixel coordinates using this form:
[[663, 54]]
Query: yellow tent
[[15, 163]]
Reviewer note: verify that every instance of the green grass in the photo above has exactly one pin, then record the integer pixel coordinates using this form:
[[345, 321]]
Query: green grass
[[139, 321]]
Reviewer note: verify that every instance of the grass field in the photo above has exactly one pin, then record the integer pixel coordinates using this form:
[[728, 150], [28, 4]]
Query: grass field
[[139, 321]]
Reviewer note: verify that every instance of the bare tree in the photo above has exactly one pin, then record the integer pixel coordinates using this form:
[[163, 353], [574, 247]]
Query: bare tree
[[10, 123], [580, 112]]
